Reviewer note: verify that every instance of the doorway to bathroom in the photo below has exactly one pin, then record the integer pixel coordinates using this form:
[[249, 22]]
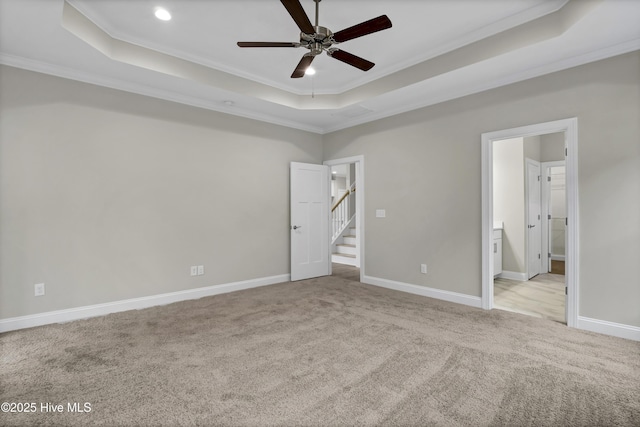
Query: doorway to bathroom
[[521, 210], [527, 173]]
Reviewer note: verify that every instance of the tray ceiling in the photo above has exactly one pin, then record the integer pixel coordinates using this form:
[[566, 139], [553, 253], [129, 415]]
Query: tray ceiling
[[435, 51]]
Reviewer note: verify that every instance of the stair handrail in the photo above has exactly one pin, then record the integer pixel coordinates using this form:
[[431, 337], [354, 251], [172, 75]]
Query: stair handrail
[[350, 190]]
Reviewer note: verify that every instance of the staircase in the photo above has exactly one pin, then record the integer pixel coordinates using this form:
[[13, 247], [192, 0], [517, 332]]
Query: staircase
[[345, 251], [344, 240]]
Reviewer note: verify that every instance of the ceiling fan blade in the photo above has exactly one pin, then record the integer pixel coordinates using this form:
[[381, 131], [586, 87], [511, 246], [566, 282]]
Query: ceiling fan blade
[[299, 15], [351, 59], [302, 66], [371, 26], [268, 44]]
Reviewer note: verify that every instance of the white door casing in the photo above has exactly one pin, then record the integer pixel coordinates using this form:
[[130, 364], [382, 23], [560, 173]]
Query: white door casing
[[360, 192], [309, 203], [533, 218]]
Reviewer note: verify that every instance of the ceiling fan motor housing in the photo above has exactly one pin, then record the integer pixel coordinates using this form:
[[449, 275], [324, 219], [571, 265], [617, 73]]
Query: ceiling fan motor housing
[[322, 39]]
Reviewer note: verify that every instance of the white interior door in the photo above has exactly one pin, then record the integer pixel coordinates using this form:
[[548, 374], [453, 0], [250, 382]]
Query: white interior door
[[534, 232], [309, 221]]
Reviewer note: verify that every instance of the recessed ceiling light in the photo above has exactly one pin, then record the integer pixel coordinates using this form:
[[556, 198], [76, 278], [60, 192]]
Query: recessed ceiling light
[[310, 71], [162, 14], [334, 172]]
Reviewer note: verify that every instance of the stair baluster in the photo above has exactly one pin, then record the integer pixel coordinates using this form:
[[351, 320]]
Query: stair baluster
[[340, 214]]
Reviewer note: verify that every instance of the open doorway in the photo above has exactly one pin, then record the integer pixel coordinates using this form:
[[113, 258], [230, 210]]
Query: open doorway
[[521, 201], [346, 217], [554, 209], [517, 267]]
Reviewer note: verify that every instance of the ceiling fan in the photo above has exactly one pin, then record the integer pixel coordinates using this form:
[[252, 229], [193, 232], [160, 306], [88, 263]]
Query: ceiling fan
[[320, 39]]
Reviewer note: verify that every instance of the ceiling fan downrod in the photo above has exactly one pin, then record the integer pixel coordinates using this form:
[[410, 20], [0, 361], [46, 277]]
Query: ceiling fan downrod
[[320, 40]]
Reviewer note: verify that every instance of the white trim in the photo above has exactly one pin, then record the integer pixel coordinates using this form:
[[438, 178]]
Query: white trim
[[609, 328], [572, 249], [424, 291], [360, 191], [570, 128], [60, 316], [513, 275]]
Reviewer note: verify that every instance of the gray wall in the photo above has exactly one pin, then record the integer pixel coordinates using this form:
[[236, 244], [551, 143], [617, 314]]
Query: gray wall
[[433, 200], [552, 147], [532, 148], [106, 195], [509, 201]]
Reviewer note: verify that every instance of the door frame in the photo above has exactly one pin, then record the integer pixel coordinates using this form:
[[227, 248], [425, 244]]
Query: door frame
[[359, 161], [546, 210], [527, 204], [570, 128]]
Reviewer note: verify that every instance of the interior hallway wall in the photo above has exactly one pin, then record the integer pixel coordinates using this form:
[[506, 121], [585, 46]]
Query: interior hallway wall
[[509, 203]]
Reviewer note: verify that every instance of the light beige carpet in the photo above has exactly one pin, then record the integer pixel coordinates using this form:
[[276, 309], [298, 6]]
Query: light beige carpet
[[321, 352]]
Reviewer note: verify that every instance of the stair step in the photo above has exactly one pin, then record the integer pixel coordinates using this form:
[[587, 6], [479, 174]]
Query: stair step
[[344, 248], [344, 255], [350, 240], [344, 259]]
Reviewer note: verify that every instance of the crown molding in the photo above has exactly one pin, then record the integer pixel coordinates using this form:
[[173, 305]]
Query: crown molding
[[153, 92], [72, 74], [608, 52]]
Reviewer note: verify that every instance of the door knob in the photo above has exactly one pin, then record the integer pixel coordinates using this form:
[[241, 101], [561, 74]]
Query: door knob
[[295, 227], [531, 226]]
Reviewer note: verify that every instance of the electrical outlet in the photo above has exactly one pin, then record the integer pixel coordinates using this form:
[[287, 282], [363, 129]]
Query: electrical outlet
[[423, 268], [194, 270], [39, 289], [200, 270]]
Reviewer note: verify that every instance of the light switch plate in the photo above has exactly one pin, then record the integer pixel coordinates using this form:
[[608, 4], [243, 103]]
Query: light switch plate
[[39, 289], [381, 213]]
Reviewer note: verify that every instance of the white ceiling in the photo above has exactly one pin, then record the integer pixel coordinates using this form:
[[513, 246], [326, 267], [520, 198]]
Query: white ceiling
[[435, 51]]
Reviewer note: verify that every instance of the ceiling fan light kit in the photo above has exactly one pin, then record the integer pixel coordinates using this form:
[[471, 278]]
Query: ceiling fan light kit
[[320, 39]]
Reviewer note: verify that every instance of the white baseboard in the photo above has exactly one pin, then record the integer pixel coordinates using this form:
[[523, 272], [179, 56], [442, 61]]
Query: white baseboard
[[512, 275], [557, 257], [60, 316], [425, 291], [609, 328]]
